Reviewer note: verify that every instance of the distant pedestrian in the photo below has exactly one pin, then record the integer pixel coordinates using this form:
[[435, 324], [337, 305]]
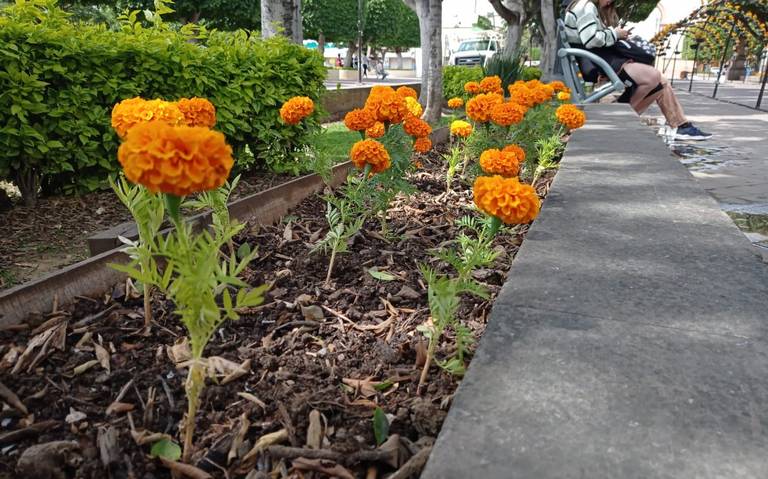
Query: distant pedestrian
[[339, 61], [380, 72], [365, 66]]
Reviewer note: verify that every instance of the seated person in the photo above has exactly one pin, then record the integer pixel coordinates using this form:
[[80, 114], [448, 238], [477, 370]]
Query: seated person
[[593, 24]]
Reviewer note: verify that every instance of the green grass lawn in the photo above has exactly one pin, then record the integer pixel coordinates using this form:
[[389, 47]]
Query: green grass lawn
[[335, 141]]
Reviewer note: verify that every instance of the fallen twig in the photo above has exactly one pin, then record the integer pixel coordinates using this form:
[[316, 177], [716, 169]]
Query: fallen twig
[[27, 432], [12, 399]]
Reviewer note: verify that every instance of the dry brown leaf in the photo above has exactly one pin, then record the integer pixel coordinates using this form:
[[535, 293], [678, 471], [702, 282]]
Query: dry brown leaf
[[118, 407], [103, 356], [264, 442], [365, 387], [242, 370], [253, 399], [179, 352], [186, 470], [84, 340], [239, 437], [75, 416], [85, 366], [54, 337], [11, 357], [329, 468], [143, 436], [12, 399], [288, 232], [315, 430]]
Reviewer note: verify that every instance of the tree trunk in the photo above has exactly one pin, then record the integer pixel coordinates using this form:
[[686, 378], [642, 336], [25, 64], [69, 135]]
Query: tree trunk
[[282, 17], [422, 11], [399, 64], [321, 45], [29, 184], [434, 85], [515, 13], [350, 52], [549, 39], [738, 69]]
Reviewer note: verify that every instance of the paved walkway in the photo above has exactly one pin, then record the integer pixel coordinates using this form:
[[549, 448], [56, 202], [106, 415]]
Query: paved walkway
[[733, 166], [631, 339], [735, 92]]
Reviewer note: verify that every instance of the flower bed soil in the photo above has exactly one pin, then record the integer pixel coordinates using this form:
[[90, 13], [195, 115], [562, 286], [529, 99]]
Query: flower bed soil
[[53, 234], [317, 360]]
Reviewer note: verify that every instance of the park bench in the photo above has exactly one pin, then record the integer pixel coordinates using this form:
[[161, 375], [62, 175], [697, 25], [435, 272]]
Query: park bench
[[581, 66]]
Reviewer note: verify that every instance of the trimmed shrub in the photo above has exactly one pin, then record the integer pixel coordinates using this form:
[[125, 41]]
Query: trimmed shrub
[[531, 73], [454, 78], [59, 82]]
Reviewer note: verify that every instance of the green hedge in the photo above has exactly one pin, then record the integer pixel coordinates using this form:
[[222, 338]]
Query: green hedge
[[59, 82], [531, 73], [454, 78]]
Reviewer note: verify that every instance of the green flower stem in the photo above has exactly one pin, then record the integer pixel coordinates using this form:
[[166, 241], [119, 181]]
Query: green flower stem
[[173, 206], [193, 388], [493, 228]]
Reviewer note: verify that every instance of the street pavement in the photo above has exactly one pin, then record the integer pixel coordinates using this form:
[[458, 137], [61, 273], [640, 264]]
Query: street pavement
[[371, 80], [742, 93]]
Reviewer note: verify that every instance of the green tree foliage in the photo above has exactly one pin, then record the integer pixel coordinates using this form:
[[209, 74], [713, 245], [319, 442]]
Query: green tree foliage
[[635, 11], [391, 24], [220, 14], [336, 20]]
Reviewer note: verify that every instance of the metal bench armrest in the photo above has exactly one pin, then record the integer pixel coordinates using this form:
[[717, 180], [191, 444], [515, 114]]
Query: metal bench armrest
[[616, 85]]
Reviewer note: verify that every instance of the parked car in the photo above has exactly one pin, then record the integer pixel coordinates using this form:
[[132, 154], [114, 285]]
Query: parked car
[[474, 52]]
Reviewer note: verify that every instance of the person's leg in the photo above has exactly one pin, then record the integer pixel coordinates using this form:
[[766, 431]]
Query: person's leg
[[671, 108], [652, 88]]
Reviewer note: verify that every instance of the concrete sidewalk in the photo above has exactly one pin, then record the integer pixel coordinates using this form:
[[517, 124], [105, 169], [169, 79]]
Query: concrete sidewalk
[[739, 151], [630, 339]]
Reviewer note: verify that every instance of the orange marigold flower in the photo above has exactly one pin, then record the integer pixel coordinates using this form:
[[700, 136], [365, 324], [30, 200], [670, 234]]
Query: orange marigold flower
[[296, 109], [376, 131], [370, 152], [533, 84], [461, 128], [499, 162], [543, 94], [564, 96], [558, 86], [507, 199], [414, 107], [359, 119], [490, 84], [517, 151], [175, 160], [198, 112], [570, 116], [472, 87], [479, 108], [386, 105], [135, 111], [377, 90], [406, 91], [455, 103], [506, 114], [422, 145], [522, 95], [416, 127]]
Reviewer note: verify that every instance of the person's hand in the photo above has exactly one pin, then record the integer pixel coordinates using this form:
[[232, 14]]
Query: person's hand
[[623, 34]]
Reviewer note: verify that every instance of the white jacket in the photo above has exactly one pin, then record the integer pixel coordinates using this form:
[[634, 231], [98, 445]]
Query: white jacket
[[583, 26]]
